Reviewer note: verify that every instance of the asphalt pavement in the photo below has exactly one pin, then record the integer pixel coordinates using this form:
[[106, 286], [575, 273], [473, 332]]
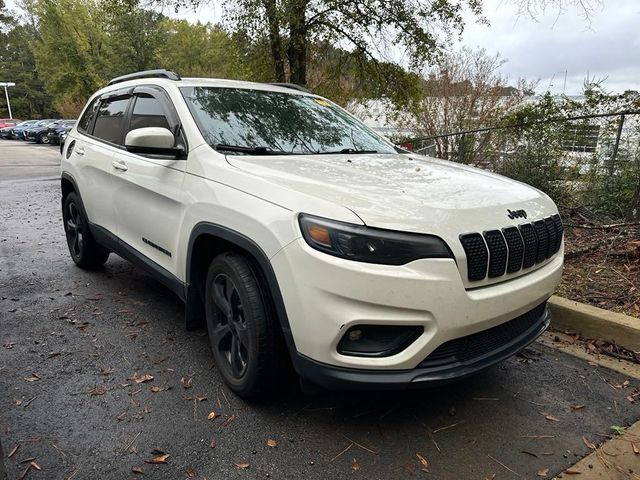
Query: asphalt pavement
[[78, 350]]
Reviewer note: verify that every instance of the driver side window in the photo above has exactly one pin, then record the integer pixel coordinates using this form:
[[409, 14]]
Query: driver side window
[[148, 112]]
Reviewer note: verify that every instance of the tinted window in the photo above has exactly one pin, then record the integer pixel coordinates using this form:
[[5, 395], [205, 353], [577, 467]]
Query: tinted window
[[89, 113], [148, 112], [110, 120], [279, 121]]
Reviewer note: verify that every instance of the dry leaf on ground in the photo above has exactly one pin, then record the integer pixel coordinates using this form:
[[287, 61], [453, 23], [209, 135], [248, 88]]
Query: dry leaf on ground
[[271, 443], [241, 465], [137, 470], [212, 416], [543, 472], [141, 378], [355, 466], [187, 381], [158, 459], [551, 418], [424, 464]]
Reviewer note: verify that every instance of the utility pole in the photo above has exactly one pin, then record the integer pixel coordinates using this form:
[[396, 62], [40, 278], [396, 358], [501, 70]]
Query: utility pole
[[6, 94]]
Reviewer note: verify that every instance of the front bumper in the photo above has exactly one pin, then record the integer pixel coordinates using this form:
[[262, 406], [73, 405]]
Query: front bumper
[[325, 296], [336, 378]]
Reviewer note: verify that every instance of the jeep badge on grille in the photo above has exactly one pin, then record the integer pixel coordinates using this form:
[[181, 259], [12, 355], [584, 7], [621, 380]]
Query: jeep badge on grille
[[513, 214]]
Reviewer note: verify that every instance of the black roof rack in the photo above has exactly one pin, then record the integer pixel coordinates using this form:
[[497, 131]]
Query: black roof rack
[[160, 73], [292, 86]]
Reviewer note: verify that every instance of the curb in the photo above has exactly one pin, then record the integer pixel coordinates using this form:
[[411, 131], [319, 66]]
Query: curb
[[594, 322]]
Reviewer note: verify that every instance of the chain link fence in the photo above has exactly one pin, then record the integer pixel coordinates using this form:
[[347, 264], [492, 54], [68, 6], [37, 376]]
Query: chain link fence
[[587, 161]]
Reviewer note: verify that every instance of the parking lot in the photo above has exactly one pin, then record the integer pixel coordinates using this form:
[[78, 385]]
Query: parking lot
[[98, 377]]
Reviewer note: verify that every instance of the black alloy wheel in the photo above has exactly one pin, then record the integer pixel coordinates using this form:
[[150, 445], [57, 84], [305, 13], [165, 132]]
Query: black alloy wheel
[[243, 331], [84, 250]]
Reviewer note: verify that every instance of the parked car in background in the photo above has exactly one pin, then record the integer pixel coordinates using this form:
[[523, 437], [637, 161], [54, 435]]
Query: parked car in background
[[9, 132], [36, 132], [54, 132], [9, 122], [19, 131]]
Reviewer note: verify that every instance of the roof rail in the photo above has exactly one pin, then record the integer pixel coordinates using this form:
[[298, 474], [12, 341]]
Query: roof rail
[[292, 86], [160, 73]]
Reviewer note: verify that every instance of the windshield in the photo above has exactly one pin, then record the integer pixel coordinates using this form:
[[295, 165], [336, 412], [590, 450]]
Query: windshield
[[263, 122]]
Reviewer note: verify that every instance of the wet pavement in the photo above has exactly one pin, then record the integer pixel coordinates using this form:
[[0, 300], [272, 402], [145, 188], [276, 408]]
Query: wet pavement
[[73, 344]]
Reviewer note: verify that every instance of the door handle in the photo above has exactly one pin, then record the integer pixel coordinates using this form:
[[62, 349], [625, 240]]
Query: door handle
[[120, 166], [80, 151]]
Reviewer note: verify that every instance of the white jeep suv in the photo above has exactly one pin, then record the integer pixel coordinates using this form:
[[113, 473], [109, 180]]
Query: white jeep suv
[[302, 237]]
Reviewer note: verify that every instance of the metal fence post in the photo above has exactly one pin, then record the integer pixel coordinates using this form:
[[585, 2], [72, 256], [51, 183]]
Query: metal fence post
[[614, 154], [461, 149]]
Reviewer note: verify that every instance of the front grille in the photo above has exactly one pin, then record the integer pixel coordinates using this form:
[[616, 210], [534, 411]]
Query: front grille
[[512, 249], [475, 346]]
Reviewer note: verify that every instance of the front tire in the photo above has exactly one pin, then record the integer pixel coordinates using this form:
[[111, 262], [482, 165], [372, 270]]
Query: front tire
[[43, 139], [242, 330], [84, 250]]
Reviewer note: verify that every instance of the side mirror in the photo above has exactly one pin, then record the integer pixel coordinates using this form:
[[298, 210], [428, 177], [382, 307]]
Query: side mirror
[[152, 141]]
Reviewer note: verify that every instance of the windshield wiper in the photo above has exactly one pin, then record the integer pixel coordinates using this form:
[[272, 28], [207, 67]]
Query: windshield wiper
[[248, 150], [347, 150]]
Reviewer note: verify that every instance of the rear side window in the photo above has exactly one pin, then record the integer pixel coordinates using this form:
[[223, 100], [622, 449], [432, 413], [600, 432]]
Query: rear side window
[[85, 122], [110, 120], [148, 112]]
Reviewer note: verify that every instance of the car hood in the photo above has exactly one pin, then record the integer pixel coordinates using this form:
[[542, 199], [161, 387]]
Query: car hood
[[404, 191]]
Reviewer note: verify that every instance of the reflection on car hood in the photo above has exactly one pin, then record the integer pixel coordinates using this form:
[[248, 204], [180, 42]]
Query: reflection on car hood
[[402, 191]]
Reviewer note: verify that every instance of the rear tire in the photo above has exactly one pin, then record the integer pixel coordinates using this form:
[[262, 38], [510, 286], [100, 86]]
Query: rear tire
[[84, 250], [243, 331]]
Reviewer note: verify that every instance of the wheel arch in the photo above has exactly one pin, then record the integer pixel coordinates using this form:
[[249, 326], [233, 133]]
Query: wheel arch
[[208, 240]]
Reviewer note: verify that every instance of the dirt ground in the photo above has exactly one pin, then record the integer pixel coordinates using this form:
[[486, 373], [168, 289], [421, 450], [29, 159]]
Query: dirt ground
[[602, 266]]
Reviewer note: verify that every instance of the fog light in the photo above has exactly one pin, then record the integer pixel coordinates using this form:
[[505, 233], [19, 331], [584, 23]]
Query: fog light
[[378, 340], [355, 335]]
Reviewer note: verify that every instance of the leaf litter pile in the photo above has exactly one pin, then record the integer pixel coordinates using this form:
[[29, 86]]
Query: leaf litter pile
[[602, 263]]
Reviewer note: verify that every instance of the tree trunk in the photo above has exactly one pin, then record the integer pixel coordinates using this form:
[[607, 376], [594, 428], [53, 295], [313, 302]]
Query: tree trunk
[[275, 40], [297, 48]]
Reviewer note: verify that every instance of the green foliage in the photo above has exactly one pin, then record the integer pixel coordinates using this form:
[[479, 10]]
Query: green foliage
[[537, 145], [72, 52], [17, 64], [211, 51]]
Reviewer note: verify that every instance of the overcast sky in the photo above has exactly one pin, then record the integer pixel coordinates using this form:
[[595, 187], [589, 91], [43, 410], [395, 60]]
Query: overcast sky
[[606, 46]]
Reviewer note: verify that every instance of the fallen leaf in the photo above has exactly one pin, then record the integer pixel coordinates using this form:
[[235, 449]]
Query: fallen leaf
[[141, 378], [213, 443], [634, 447], [241, 466], [577, 407], [542, 472], [570, 471], [13, 451], [272, 443], [355, 466], [212, 416], [229, 420], [160, 388], [423, 462], [99, 390], [187, 381], [33, 378], [35, 465], [158, 459], [190, 472], [201, 398], [551, 418], [137, 470], [588, 443]]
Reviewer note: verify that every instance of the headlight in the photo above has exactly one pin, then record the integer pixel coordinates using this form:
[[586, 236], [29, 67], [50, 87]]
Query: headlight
[[370, 245]]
